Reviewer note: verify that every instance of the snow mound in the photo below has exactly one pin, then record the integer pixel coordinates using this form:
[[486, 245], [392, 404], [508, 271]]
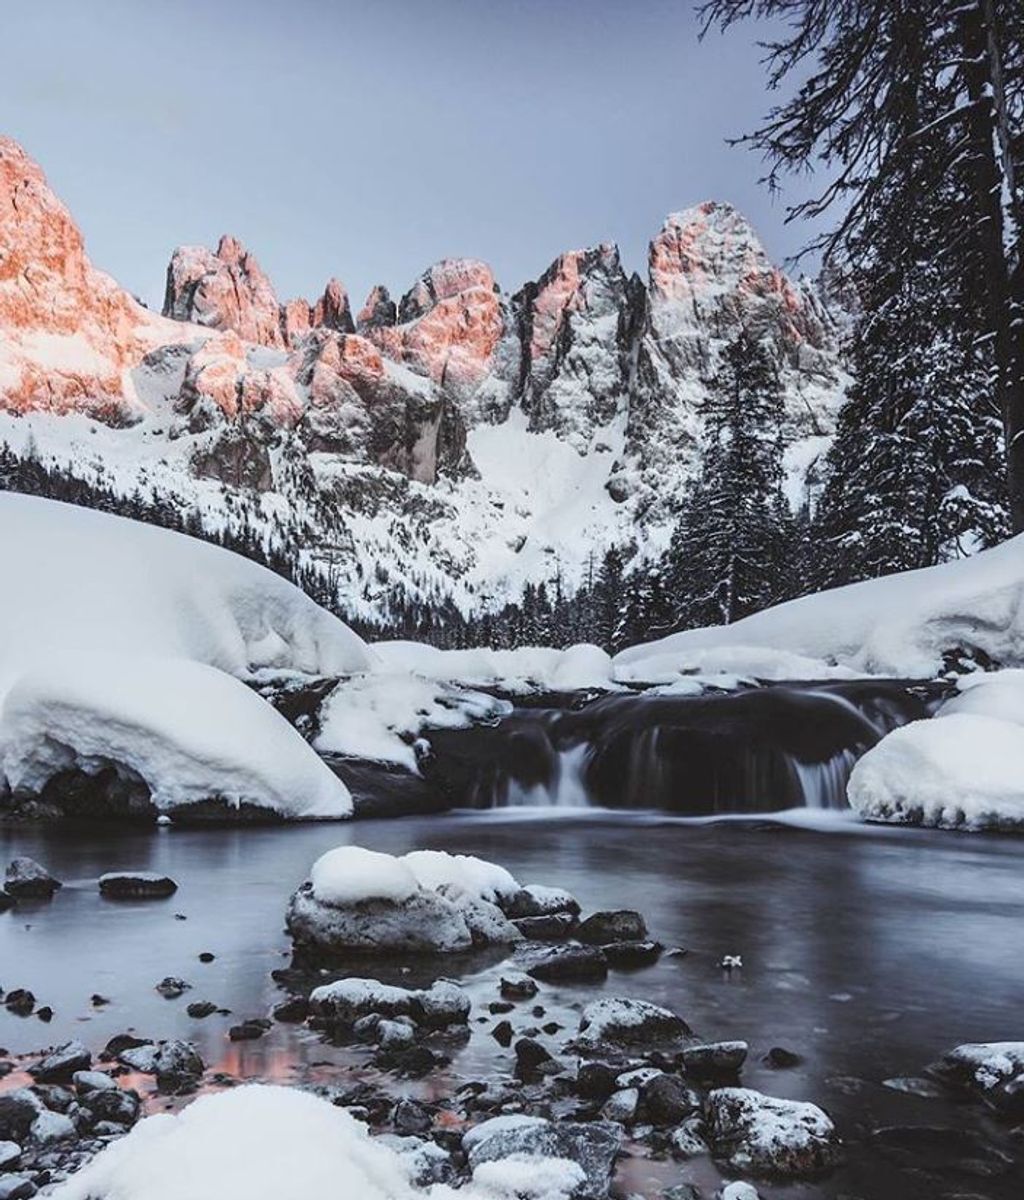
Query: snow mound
[[190, 732], [263, 1142], [899, 625], [435, 869], [75, 577], [960, 770], [350, 874]]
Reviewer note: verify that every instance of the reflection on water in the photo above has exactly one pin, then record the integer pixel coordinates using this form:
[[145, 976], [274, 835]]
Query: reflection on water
[[867, 952]]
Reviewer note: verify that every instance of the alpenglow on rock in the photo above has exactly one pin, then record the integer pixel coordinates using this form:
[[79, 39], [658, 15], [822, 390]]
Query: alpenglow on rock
[[467, 439]]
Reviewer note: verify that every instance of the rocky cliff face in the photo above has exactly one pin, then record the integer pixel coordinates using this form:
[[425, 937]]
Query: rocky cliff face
[[68, 333], [470, 439]]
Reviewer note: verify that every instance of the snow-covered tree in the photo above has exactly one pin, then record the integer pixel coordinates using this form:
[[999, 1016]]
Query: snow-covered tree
[[860, 67], [728, 553]]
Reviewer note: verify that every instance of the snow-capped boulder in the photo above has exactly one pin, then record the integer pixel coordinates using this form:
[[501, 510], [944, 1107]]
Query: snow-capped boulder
[[593, 1147], [362, 901], [993, 1071], [26, 879], [618, 1022], [342, 1003], [960, 771], [763, 1136], [149, 735]]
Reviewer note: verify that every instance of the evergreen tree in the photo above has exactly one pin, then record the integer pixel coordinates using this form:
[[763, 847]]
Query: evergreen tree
[[863, 67], [728, 554]]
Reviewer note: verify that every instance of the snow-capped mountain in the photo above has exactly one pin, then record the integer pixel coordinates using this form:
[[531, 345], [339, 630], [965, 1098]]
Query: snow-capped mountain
[[458, 442]]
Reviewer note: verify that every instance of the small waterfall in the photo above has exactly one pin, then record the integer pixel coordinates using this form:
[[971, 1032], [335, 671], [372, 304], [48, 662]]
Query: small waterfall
[[823, 784], [758, 750], [565, 789]]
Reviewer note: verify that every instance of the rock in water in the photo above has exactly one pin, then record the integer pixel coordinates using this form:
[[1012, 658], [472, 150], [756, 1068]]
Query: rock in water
[[136, 885], [767, 1137], [360, 901], [628, 1022], [623, 925], [27, 880], [711, 1059], [593, 1146], [568, 963]]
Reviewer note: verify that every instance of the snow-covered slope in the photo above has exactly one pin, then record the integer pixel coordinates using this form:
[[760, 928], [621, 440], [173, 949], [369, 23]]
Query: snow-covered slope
[[900, 625], [122, 646], [459, 442]]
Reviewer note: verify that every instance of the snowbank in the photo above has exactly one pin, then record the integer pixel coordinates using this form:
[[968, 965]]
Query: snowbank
[[167, 620], [963, 769], [525, 670], [900, 625], [379, 716], [77, 578], [190, 732]]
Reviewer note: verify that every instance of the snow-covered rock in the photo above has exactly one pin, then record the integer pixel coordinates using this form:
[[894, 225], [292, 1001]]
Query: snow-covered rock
[[764, 1136], [614, 1021], [961, 771], [177, 734], [380, 716], [592, 1147], [346, 1001], [359, 900], [993, 1071]]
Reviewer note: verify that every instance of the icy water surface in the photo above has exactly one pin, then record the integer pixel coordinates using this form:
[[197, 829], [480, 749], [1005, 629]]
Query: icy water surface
[[868, 952]]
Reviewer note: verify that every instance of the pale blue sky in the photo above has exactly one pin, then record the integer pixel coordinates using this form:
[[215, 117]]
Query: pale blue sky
[[369, 139]]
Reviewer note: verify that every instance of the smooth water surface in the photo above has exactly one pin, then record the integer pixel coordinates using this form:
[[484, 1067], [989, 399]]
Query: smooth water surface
[[868, 952]]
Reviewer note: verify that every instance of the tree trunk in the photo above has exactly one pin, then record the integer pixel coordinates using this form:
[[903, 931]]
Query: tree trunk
[[998, 235]]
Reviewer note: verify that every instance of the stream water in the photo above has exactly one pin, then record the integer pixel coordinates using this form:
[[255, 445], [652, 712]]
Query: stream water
[[866, 951]]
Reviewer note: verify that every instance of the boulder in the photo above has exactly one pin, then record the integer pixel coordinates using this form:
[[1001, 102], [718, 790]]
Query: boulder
[[711, 1059], [28, 880], [534, 900], [518, 987], [992, 1071], [10, 1152], [626, 1022], [628, 956], [341, 1004], [766, 1137], [622, 925], [687, 1139], [594, 1146], [136, 885], [553, 927], [117, 1105], [18, 1109], [666, 1100], [621, 1106], [568, 963], [61, 1064]]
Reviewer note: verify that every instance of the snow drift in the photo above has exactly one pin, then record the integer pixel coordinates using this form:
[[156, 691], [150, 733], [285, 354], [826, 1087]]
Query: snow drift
[[963, 769], [189, 732], [79, 579], [900, 625], [119, 645]]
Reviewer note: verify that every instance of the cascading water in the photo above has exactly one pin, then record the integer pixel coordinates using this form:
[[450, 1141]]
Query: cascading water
[[753, 751]]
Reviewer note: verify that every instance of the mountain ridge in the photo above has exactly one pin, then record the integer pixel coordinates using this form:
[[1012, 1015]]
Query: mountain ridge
[[457, 443]]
